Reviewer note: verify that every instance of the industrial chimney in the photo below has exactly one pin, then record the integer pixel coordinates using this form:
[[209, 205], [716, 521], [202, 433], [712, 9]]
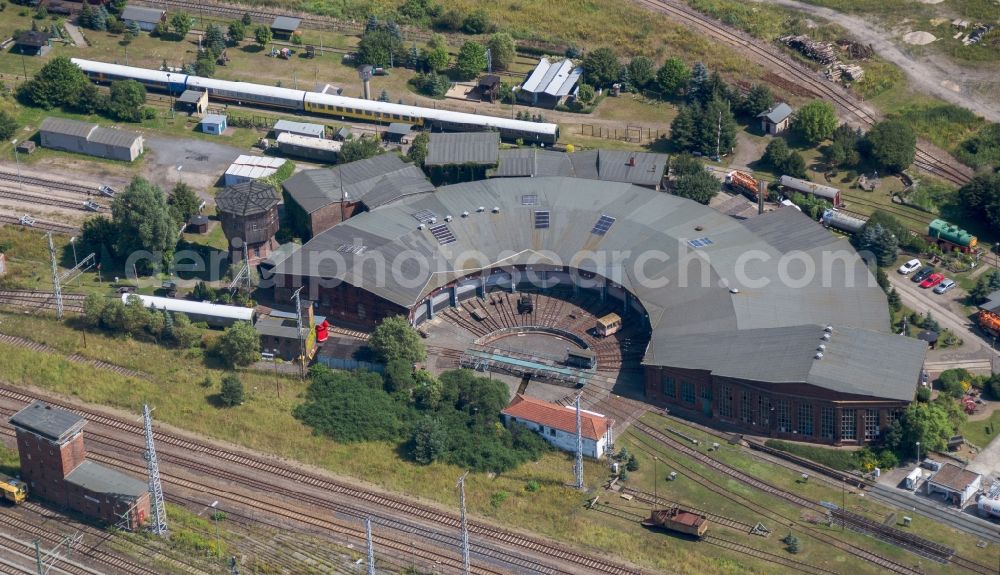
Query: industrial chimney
[[761, 194]]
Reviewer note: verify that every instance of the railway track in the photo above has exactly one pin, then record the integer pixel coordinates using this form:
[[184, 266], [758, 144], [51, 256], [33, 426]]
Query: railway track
[[43, 225], [646, 497], [47, 201], [75, 358], [51, 184], [927, 158], [567, 556], [893, 210], [41, 300]]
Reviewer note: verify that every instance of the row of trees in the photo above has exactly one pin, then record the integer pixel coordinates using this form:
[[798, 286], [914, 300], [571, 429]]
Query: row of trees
[[61, 83], [890, 145], [692, 180], [134, 319], [981, 198]]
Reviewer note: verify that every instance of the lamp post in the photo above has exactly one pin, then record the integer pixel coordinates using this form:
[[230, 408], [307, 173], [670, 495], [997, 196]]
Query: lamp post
[[215, 517], [171, 91], [72, 242], [513, 101], [17, 162]]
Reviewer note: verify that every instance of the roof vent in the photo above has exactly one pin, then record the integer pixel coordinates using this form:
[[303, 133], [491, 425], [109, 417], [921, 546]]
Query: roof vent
[[822, 347], [819, 355], [496, 209], [734, 290], [447, 218], [825, 337], [432, 221], [465, 214], [420, 226], [480, 209], [699, 228], [828, 329]]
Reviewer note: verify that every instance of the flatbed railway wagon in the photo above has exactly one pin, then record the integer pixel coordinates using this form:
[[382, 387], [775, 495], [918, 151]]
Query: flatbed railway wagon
[[14, 491], [678, 520]]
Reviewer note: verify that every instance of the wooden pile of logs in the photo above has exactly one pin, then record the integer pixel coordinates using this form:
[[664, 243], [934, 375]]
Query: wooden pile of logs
[[819, 51]]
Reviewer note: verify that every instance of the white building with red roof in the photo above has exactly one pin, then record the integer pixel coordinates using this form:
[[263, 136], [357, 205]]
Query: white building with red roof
[[557, 424]]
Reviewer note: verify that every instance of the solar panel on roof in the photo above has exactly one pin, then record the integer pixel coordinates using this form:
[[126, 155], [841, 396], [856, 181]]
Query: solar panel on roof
[[529, 200], [443, 235], [700, 242], [541, 219], [425, 216], [603, 225]]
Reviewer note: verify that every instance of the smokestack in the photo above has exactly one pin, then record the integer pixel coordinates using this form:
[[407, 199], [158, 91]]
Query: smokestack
[[761, 194], [368, 89]]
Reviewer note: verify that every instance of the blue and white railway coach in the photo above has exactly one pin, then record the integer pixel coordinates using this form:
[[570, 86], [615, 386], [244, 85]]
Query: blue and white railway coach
[[340, 107]]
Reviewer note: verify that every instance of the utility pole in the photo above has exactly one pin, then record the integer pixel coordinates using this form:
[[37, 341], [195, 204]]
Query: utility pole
[[371, 547], [579, 446], [56, 286], [718, 139], [155, 489], [45, 562], [298, 325], [465, 525]]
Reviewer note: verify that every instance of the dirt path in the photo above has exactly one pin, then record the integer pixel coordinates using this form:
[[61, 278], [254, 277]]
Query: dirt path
[[75, 34], [976, 89]]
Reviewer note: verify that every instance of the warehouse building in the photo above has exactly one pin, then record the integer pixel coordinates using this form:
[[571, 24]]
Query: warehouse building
[[461, 156], [146, 18], [734, 341], [55, 468], [557, 424], [249, 214], [550, 83], [90, 139], [316, 200]]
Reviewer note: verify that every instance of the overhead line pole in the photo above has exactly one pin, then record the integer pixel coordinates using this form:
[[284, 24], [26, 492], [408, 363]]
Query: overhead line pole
[[579, 446], [465, 525], [371, 546], [155, 488]]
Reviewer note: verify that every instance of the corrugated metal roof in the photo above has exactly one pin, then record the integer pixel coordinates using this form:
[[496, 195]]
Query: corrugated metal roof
[[391, 187], [249, 172], [217, 119], [67, 127], [459, 148], [263, 161], [99, 479], [275, 327], [246, 198], [642, 168], [315, 130], [777, 113], [49, 422], [553, 78], [196, 307], [142, 14], [286, 23], [114, 137], [309, 142], [315, 189], [524, 162], [191, 96]]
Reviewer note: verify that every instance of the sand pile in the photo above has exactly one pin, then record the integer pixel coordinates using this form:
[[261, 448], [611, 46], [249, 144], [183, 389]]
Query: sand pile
[[919, 38]]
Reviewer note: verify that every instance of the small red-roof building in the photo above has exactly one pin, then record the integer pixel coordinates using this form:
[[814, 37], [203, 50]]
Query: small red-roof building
[[557, 424]]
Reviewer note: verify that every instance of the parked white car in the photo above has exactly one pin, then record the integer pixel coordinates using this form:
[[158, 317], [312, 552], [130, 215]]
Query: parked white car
[[910, 267]]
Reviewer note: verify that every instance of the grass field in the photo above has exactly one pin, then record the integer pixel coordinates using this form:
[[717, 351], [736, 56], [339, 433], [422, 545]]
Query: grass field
[[978, 432]]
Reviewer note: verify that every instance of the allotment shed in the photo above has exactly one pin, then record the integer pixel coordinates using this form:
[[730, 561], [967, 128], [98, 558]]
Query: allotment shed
[[146, 18], [213, 124], [776, 120], [192, 102], [33, 43], [285, 26]]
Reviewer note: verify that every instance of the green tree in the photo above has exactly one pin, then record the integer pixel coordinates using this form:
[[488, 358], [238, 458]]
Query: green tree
[[142, 221], [116, 6], [503, 50], [236, 32], [776, 153], [231, 393], [133, 29], [891, 144], [601, 67], [379, 47], [815, 121], [716, 128], [673, 76], [794, 165], [181, 23], [184, 333], [262, 35], [758, 100], [239, 344], [8, 125], [429, 441], [698, 89], [93, 309], [879, 241], [471, 60], [683, 128], [476, 23], [685, 165], [981, 198], [436, 59], [204, 66], [246, 20], [136, 315], [215, 40], [843, 148], [58, 83], [954, 382], [113, 316], [183, 202], [418, 149], [641, 71], [895, 302], [586, 93], [926, 423], [359, 149], [125, 100], [395, 339], [699, 186]]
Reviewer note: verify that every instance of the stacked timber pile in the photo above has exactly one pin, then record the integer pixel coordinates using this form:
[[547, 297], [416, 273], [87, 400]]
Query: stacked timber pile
[[819, 51], [856, 50], [849, 72]]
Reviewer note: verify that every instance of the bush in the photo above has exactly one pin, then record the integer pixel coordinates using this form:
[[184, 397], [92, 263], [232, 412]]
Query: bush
[[239, 344], [231, 393], [497, 499], [395, 340], [923, 394], [954, 382], [532, 486]]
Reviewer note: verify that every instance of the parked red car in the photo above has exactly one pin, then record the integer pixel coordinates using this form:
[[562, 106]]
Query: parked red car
[[932, 280]]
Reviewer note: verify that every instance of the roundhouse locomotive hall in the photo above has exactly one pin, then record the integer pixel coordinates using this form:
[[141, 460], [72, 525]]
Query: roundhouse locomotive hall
[[809, 358]]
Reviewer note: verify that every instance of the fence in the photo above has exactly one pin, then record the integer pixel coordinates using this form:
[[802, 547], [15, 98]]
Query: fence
[[635, 134]]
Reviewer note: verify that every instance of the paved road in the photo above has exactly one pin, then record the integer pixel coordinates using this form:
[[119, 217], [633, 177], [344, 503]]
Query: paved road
[[922, 301]]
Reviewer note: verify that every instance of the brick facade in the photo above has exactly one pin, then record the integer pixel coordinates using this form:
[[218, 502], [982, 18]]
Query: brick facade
[[341, 303], [45, 463], [794, 411]]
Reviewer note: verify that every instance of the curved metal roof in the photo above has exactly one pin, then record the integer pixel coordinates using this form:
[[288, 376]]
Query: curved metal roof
[[695, 270]]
